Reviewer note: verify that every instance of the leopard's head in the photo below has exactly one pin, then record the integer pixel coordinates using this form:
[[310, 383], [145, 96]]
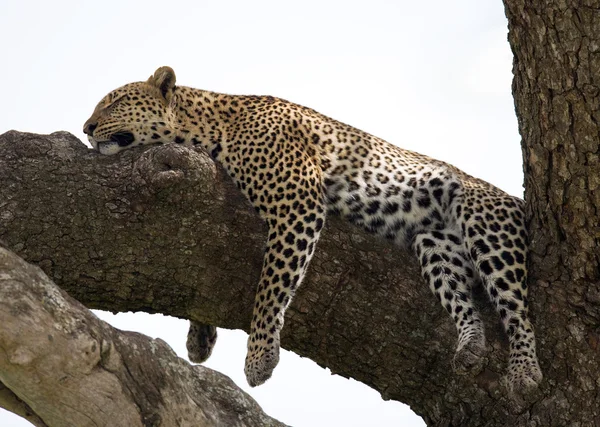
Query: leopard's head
[[135, 114]]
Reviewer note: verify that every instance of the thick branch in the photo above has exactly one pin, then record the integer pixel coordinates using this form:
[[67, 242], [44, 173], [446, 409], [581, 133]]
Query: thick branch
[[164, 230], [73, 369]]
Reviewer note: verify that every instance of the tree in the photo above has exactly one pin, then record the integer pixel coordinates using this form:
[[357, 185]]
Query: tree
[[162, 230]]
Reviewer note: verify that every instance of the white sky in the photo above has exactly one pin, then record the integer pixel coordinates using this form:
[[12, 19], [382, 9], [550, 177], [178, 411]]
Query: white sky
[[430, 76]]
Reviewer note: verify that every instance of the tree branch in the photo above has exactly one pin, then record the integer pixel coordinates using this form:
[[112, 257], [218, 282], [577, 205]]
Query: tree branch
[[163, 229], [71, 368]]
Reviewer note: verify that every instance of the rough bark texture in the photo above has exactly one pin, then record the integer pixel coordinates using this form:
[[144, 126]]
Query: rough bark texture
[[67, 367], [556, 87]]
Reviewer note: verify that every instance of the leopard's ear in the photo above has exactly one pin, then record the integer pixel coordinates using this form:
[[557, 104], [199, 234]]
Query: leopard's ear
[[164, 80]]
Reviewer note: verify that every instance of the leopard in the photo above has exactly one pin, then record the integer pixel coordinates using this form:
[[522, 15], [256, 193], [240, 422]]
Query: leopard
[[296, 167]]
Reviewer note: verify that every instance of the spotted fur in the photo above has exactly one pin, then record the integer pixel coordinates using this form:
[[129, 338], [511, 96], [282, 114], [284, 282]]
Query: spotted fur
[[295, 164]]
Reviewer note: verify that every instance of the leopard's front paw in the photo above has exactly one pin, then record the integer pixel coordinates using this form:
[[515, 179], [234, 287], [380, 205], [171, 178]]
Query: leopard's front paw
[[261, 359], [201, 340]]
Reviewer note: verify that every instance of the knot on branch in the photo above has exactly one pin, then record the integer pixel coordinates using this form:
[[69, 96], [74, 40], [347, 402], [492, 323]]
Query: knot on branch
[[172, 165]]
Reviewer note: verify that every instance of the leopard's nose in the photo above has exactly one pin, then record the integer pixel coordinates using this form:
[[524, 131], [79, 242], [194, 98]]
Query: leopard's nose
[[89, 127]]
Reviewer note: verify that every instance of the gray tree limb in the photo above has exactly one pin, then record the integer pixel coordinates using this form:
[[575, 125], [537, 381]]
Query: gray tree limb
[[67, 367]]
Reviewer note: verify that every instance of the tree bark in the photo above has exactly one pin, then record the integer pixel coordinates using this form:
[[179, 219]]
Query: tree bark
[[60, 365], [556, 45]]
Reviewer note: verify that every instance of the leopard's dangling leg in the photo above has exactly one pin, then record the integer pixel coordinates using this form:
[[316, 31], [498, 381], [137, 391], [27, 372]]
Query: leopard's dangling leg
[[294, 228]]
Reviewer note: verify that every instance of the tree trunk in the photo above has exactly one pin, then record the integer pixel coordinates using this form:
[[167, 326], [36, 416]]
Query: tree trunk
[[556, 45]]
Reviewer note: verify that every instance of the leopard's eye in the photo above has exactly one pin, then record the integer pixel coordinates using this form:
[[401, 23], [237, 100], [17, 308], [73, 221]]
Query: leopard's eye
[[111, 99]]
